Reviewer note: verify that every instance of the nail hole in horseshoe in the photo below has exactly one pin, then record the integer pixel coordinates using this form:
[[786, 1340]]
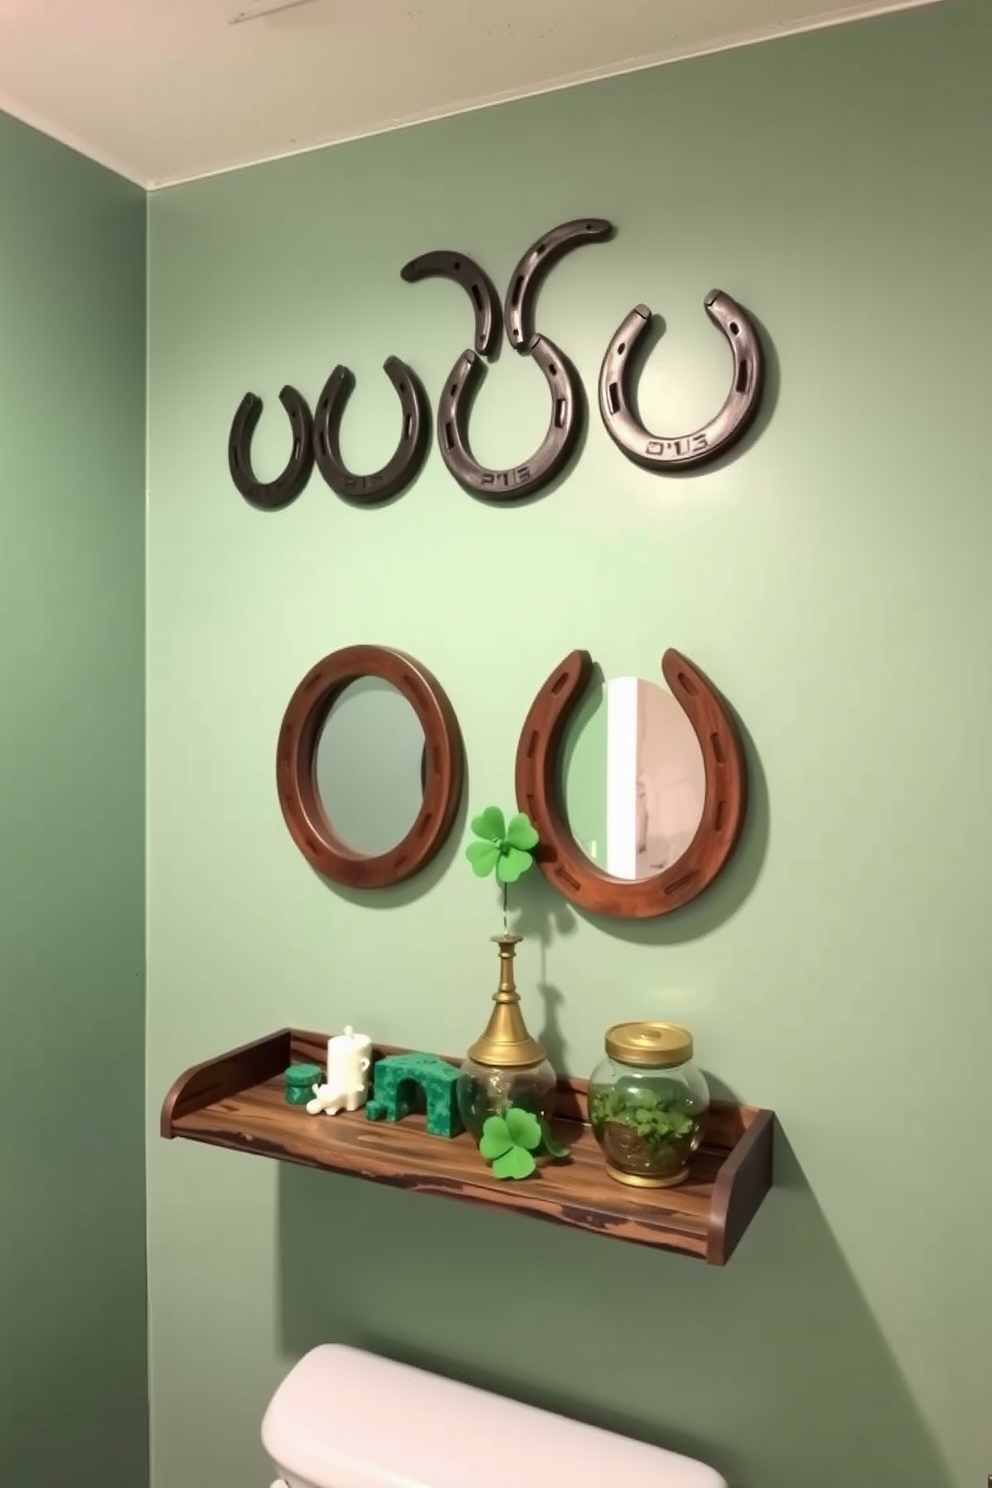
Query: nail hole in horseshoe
[[552, 369], [735, 329], [457, 264], [614, 396], [743, 376], [476, 294], [621, 348]]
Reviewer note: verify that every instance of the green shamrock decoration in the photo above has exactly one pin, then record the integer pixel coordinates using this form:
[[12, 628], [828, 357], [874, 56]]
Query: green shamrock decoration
[[507, 849], [552, 1147], [514, 1141], [509, 1142]]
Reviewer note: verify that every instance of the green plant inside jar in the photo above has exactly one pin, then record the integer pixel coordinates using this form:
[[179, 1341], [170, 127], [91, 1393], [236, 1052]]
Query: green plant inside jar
[[648, 1127]]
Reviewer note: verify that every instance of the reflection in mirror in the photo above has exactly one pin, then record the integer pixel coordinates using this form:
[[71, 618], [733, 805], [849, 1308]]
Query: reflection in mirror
[[370, 766], [634, 778]]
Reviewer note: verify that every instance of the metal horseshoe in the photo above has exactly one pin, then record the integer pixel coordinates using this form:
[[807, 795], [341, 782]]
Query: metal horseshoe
[[477, 285], [396, 475], [555, 451], [275, 494], [663, 452], [518, 311]]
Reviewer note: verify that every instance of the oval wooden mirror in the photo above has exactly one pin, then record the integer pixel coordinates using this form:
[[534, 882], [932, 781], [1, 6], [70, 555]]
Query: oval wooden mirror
[[638, 793], [369, 767]]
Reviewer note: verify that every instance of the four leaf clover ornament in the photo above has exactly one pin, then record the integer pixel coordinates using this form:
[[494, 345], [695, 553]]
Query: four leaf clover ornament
[[509, 1143], [513, 1139], [507, 849]]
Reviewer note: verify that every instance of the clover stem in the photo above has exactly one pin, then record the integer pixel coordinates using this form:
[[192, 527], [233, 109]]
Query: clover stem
[[505, 893]]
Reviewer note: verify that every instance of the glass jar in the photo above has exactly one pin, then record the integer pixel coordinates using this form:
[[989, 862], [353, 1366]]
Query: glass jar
[[486, 1090], [648, 1104]]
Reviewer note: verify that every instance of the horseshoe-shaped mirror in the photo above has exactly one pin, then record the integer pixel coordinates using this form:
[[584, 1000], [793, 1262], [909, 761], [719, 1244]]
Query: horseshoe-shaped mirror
[[682, 451], [519, 481], [397, 473], [369, 767], [275, 494], [638, 794]]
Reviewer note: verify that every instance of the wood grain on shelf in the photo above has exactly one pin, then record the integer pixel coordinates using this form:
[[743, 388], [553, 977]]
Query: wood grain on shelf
[[238, 1101]]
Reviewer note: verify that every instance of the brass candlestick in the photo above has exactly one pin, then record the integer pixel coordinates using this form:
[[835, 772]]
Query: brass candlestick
[[506, 1066], [506, 1041]]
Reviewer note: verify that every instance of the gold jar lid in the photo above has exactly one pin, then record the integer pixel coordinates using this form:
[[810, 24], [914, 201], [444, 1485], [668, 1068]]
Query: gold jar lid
[[657, 1045]]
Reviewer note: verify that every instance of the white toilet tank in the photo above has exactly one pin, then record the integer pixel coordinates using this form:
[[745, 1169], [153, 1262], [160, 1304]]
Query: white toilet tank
[[346, 1419]]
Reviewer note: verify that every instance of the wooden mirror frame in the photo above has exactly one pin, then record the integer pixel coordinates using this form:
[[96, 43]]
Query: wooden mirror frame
[[296, 759], [540, 792]]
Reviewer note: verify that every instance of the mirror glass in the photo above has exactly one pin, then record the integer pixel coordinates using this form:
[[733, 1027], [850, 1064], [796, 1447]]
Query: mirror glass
[[634, 777], [371, 766]]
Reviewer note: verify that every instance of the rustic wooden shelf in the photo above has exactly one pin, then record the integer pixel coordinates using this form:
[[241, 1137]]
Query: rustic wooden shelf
[[237, 1100]]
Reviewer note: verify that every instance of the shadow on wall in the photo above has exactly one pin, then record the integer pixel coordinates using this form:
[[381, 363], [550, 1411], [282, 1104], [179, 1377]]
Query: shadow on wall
[[633, 1340]]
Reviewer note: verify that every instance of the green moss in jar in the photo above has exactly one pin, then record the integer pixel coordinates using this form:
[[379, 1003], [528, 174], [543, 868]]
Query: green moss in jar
[[648, 1104], [650, 1129]]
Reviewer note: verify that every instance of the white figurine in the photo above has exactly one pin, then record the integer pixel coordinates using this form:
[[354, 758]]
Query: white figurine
[[332, 1099], [349, 1056]]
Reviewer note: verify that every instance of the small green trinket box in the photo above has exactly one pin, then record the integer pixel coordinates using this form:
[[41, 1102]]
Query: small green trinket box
[[300, 1080]]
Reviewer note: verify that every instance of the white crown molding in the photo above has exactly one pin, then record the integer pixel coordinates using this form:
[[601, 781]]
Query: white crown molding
[[753, 37], [33, 120], [756, 37]]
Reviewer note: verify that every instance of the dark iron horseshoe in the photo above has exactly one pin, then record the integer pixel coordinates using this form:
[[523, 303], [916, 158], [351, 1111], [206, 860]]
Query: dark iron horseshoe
[[556, 448], [518, 311], [396, 475], [658, 452], [477, 285], [275, 494]]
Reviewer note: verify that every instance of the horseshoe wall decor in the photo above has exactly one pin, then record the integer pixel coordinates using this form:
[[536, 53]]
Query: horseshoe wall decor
[[275, 494], [674, 452], [540, 792], [518, 311], [520, 481], [476, 283], [396, 475]]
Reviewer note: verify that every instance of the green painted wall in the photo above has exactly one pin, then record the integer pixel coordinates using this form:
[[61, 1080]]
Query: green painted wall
[[834, 581], [73, 1332]]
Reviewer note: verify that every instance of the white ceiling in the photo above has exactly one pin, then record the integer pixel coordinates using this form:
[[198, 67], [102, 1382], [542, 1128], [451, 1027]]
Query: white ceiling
[[166, 90]]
